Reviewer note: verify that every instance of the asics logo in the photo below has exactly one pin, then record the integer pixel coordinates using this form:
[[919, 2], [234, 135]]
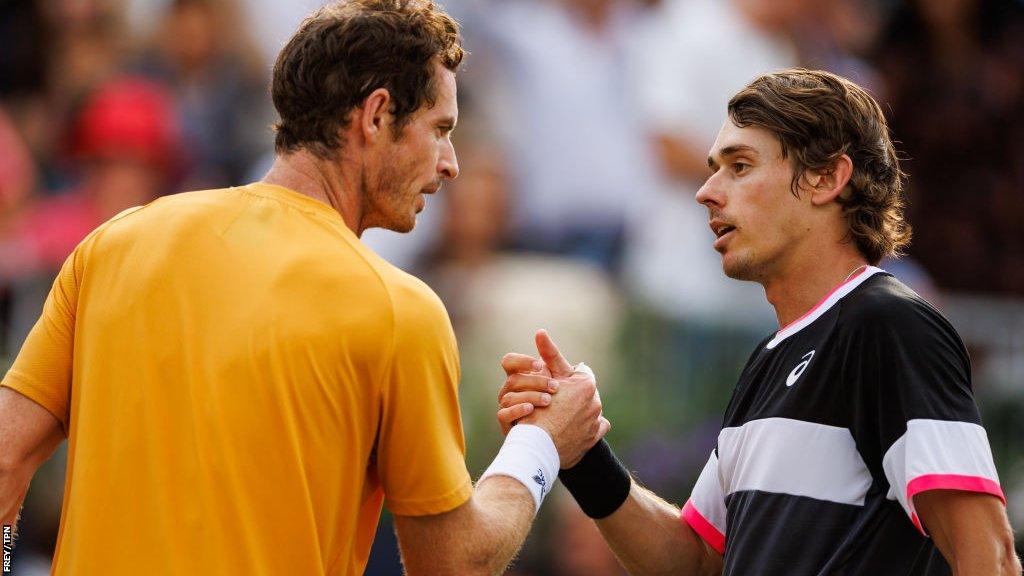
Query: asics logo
[[795, 374]]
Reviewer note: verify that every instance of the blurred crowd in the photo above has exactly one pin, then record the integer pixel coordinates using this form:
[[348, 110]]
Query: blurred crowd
[[582, 139]]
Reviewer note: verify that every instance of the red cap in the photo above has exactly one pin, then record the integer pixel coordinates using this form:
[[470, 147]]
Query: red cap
[[131, 118]]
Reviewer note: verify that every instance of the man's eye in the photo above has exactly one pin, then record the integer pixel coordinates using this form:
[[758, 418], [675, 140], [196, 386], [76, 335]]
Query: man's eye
[[739, 167]]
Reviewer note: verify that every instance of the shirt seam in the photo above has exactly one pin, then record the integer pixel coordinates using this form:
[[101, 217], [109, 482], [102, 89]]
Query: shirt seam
[[317, 213], [349, 241]]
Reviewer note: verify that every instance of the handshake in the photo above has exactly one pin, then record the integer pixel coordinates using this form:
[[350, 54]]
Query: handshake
[[560, 433], [554, 395]]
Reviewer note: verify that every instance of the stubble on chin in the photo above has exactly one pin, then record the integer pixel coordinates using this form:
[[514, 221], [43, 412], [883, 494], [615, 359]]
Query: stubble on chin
[[739, 268], [403, 225]]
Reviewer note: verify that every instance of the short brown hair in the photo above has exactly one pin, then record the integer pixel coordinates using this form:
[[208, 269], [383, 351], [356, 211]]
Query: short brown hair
[[348, 49], [818, 117]]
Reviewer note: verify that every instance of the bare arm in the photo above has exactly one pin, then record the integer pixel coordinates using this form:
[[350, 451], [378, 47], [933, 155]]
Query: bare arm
[[478, 538], [971, 530], [28, 436], [481, 536], [680, 158], [649, 538]]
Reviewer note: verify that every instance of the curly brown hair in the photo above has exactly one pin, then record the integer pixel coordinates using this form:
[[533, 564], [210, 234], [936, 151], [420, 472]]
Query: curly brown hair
[[818, 116], [348, 49]]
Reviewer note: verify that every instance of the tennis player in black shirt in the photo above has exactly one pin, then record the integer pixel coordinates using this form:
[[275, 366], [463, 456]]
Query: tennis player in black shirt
[[852, 444]]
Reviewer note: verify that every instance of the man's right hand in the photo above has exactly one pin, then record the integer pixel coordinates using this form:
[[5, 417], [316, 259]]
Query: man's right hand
[[573, 418]]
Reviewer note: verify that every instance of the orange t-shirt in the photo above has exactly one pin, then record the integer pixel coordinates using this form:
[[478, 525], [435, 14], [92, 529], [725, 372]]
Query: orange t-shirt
[[241, 382]]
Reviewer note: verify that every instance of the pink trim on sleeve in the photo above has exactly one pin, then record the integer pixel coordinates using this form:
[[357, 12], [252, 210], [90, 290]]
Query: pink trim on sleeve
[[703, 528], [950, 482], [954, 482]]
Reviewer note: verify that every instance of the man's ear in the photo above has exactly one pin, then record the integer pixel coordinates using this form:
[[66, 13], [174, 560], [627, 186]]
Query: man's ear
[[827, 184], [375, 114]]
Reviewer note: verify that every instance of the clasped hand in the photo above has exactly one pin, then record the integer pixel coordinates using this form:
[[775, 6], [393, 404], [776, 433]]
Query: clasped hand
[[570, 406]]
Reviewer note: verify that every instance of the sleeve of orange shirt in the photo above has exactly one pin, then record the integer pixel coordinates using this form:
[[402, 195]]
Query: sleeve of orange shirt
[[42, 370], [421, 449]]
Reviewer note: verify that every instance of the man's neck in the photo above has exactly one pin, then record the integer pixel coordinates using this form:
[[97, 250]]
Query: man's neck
[[806, 283], [321, 180]]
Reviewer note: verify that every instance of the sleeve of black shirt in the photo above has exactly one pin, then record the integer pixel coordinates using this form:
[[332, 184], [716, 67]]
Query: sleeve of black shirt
[[914, 413]]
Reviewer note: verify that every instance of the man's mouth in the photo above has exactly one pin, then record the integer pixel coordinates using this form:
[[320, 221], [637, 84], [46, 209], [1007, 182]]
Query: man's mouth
[[723, 231], [721, 228]]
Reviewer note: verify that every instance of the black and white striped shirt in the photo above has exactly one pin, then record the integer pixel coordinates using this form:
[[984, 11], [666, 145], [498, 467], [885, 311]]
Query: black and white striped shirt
[[837, 421]]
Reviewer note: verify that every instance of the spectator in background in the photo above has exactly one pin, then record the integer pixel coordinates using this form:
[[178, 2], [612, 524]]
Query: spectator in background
[[218, 85], [88, 38], [17, 170], [559, 99], [123, 148], [838, 35], [683, 72], [953, 72], [52, 54], [18, 180]]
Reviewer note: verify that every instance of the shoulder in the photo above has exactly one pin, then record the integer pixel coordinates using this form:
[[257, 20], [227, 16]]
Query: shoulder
[[884, 304], [416, 307], [885, 315], [158, 221], [161, 209], [422, 333]]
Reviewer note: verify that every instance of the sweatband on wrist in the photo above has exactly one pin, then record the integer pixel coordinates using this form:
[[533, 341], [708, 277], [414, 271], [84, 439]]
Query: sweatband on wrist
[[528, 455], [599, 482]]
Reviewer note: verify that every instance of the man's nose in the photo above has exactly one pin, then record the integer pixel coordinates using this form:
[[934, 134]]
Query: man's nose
[[448, 165], [710, 193]]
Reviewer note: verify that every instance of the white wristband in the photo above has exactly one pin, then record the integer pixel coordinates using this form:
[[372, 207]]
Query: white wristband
[[528, 455]]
